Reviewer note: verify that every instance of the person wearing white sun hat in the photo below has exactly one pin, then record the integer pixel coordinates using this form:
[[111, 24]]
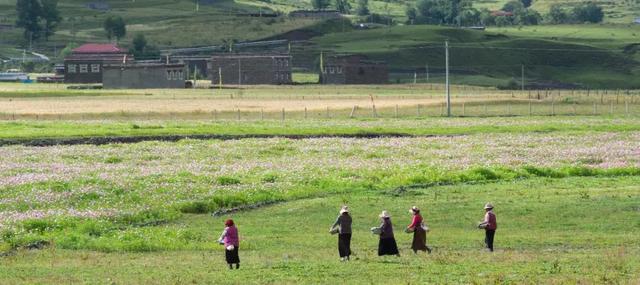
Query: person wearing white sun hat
[[489, 224], [387, 244], [419, 233], [342, 227]]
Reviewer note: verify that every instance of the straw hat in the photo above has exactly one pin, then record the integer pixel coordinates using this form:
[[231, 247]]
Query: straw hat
[[488, 206], [384, 214], [414, 209], [344, 209]]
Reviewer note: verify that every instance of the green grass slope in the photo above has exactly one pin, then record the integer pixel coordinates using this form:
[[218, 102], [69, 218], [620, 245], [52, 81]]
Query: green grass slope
[[581, 56]]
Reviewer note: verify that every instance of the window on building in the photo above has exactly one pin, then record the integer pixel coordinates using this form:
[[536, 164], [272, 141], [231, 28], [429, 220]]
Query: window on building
[[84, 68], [181, 75], [286, 62], [332, 70], [71, 68], [95, 68], [168, 74], [339, 70]]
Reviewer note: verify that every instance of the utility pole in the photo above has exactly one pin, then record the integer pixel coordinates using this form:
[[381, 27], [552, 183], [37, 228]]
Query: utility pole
[[239, 72], [522, 80], [447, 87], [427, 69]]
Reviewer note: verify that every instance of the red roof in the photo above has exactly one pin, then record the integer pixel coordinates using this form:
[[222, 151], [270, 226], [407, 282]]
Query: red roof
[[98, 48]]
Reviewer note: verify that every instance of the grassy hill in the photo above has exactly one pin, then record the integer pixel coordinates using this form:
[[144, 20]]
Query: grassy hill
[[582, 56], [590, 56]]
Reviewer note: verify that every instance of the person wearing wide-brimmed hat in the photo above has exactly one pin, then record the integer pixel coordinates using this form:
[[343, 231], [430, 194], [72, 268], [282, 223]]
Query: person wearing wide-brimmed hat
[[387, 244], [419, 233], [489, 224], [342, 227], [231, 242]]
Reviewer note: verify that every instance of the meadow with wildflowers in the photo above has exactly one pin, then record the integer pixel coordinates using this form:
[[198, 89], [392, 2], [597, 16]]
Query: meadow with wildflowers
[[94, 207]]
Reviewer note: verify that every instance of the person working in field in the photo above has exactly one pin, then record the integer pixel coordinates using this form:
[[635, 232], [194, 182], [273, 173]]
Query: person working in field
[[419, 231], [489, 225], [387, 244], [342, 227], [231, 242]]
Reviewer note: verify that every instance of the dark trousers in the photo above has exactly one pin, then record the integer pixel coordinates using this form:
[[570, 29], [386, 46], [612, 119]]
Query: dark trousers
[[344, 245], [488, 238]]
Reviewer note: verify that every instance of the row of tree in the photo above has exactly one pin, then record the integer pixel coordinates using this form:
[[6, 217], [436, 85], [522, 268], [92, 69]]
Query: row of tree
[[38, 18], [515, 12], [343, 6]]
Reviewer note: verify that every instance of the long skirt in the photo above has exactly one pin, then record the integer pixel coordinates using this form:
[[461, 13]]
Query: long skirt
[[344, 245], [387, 246], [419, 239], [232, 255]]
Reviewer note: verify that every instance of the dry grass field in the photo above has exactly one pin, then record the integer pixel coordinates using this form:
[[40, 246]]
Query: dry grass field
[[40, 101]]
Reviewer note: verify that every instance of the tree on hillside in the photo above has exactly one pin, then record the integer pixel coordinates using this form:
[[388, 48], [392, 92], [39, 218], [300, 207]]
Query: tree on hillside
[[513, 6], [51, 17], [115, 26], [526, 3], [527, 17], [142, 49], [320, 4], [444, 11], [588, 12], [558, 15], [363, 8], [29, 12], [343, 6]]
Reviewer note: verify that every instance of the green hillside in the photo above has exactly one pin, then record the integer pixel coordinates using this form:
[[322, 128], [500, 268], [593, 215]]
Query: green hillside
[[587, 56]]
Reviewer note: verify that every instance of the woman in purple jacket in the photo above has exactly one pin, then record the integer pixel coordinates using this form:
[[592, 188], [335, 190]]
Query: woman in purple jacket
[[387, 244], [231, 243]]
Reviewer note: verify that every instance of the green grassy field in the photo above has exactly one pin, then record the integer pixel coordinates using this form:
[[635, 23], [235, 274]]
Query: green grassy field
[[565, 189], [572, 230]]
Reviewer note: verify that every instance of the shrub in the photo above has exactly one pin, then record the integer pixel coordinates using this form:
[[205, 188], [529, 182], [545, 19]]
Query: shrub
[[227, 180]]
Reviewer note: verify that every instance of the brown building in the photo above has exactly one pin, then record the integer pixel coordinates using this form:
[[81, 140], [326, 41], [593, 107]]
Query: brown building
[[353, 69], [85, 63], [250, 69], [142, 75]]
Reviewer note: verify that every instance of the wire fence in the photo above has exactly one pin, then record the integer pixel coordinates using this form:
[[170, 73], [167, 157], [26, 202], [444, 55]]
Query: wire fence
[[414, 111]]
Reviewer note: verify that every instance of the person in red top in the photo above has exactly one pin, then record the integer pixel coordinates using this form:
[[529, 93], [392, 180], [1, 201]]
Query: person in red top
[[229, 238], [419, 232], [489, 224]]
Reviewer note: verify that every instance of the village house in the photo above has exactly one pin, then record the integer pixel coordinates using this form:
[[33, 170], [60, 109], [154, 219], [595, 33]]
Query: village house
[[85, 63], [353, 69], [250, 69], [143, 74]]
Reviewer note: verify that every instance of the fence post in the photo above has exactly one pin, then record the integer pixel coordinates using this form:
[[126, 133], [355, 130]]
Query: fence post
[[611, 107], [485, 109], [353, 110], [530, 110], [626, 108], [238, 114], [261, 114], [553, 108], [463, 110], [215, 114], [508, 109], [595, 108], [282, 114]]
